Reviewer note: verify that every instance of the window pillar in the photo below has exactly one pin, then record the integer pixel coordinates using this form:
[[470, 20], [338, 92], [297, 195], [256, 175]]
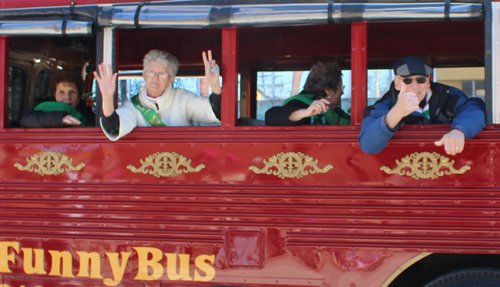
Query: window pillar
[[229, 70], [359, 71]]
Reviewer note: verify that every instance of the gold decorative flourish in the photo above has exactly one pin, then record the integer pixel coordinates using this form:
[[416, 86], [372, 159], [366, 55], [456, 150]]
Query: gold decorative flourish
[[290, 165], [49, 163], [165, 164], [425, 165]]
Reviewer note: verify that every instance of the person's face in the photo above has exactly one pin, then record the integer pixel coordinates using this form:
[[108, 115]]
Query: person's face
[[419, 85], [67, 93], [157, 79], [334, 96]]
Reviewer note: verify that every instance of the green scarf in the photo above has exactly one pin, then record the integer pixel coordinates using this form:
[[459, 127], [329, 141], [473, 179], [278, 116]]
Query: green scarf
[[332, 116], [151, 116], [54, 106]]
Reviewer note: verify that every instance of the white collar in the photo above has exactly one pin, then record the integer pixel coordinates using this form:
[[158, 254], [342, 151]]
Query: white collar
[[154, 100]]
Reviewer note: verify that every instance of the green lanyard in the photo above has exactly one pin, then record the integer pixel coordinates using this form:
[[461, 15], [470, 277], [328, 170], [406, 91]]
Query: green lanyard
[[151, 116], [427, 113]]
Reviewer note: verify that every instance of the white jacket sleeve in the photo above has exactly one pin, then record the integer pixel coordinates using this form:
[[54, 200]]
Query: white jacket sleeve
[[199, 109]]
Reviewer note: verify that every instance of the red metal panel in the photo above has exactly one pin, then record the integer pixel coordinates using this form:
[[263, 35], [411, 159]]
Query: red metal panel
[[228, 156], [359, 73], [229, 76]]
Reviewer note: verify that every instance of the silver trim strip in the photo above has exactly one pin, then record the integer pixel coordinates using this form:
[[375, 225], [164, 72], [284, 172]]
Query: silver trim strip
[[161, 16], [190, 16], [45, 28], [279, 14]]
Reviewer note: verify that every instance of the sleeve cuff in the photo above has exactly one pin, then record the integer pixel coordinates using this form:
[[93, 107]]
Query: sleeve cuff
[[111, 124], [392, 130]]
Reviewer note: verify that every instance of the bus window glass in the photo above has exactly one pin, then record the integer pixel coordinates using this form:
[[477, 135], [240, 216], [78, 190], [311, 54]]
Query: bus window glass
[[378, 83], [273, 88], [469, 80], [131, 82], [41, 92], [17, 87]]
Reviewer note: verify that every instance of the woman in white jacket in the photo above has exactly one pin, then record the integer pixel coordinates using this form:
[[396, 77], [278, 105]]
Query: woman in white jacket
[[158, 104]]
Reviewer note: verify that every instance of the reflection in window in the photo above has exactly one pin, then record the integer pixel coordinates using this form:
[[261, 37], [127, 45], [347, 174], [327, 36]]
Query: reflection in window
[[273, 88], [17, 87], [41, 92]]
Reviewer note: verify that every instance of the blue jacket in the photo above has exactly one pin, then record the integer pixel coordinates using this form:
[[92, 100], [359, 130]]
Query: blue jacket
[[447, 105]]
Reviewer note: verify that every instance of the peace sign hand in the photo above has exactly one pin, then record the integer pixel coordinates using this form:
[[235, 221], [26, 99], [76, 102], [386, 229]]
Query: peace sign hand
[[212, 72]]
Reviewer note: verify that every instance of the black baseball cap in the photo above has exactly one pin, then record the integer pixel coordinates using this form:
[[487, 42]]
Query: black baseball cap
[[411, 66]]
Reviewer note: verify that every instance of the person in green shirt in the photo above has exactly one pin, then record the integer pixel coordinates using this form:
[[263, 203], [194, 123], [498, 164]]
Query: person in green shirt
[[65, 110], [318, 104]]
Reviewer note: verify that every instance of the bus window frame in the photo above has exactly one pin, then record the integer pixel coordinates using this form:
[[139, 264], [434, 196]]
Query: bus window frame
[[230, 68], [230, 71]]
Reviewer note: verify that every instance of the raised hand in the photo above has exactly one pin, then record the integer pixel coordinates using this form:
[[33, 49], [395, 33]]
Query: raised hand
[[407, 103], [315, 108], [107, 84], [212, 72]]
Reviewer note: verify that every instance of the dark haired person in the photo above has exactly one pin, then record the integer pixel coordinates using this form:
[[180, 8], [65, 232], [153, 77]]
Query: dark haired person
[[65, 110], [414, 99], [318, 103]]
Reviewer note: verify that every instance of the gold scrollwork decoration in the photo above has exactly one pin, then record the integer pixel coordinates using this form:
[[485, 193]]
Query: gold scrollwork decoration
[[164, 164], [49, 163], [290, 165], [425, 165]]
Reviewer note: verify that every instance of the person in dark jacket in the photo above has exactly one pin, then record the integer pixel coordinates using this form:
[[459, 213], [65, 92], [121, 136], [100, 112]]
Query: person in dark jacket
[[414, 99], [66, 109], [318, 103]]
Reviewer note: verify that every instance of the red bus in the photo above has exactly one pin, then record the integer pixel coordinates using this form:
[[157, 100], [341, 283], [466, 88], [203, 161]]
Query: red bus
[[241, 203]]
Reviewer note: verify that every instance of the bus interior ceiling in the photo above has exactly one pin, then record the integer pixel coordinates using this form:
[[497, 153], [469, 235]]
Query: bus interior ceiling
[[443, 43]]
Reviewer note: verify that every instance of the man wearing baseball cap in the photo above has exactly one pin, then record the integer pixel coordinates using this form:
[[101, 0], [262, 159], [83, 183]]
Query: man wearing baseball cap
[[414, 99]]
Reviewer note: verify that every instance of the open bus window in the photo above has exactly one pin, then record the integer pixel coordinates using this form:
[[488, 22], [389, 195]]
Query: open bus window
[[131, 82], [468, 79], [34, 61], [17, 88], [273, 88]]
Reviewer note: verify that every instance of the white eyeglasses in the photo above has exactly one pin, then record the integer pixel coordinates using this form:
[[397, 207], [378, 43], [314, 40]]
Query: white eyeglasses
[[160, 75]]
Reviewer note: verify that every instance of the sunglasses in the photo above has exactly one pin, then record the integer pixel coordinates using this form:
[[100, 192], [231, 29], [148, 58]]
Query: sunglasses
[[408, 81]]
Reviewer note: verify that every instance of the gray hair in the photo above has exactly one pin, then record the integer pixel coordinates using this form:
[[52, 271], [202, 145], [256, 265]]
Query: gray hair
[[167, 59]]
